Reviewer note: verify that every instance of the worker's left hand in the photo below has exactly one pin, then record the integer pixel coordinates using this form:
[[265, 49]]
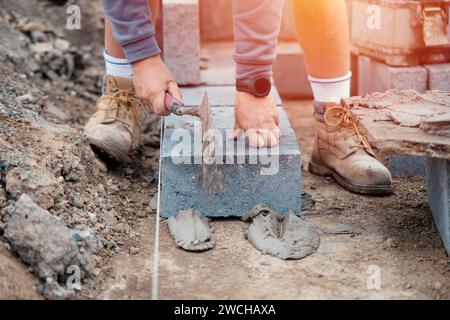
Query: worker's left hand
[[258, 119]]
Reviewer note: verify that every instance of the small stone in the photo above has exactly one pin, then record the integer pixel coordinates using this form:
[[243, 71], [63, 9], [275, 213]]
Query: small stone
[[41, 47], [3, 196], [114, 189], [154, 202], [40, 185], [76, 200], [341, 229], [436, 286], [111, 245], [110, 218], [33, 26], [120, 227], [38, 36], [390, 243], [28, 97], [62, 44], [134, 250]]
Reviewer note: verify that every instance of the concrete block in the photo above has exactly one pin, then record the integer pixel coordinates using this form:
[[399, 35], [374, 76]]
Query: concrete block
[[289, 72], [438, 181], [217, 21], [251, 176], [406, 165], [220, 68], [438, 76], [181, 33], [217, 95], [375, 76]]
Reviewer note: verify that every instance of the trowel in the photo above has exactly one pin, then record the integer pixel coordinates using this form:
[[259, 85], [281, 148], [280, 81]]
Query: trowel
[[212, 177]]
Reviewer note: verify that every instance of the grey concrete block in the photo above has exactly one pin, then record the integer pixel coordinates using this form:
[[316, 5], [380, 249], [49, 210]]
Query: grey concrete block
[[251, 176], [217, 95], [181, 33], [406, 165], [375, 76], [438, 182], [289, 72], [438, 76]]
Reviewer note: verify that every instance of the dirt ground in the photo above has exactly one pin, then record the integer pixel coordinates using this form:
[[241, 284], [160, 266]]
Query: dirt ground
[[41, 121]]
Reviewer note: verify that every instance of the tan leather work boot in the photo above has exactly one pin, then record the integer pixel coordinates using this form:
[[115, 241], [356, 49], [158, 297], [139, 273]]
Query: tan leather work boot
[[341, 151], [116, 124]]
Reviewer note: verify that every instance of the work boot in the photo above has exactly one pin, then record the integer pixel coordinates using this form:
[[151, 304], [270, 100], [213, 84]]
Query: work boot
[[342, 151], [116, 124]]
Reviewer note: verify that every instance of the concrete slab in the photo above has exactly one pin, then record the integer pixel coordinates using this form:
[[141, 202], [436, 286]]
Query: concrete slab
[[438, 181], [389, 137], [181, 38], [220, 68], [218, 96], [251, 176], [438, 76], [375, 76], [404, 165]]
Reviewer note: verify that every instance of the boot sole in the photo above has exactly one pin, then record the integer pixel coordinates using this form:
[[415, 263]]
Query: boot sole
[[324, 171], [109, 150]]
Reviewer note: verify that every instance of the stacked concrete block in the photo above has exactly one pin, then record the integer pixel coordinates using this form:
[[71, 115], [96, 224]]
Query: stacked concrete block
[[405, 165], [290, 73], [181, 33], [438, 76], [438, 181], [251, 176], [216, 19], [375, 76]]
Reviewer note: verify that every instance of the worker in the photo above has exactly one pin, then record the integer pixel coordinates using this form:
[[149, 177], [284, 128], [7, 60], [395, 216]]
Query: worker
[[136, 75]]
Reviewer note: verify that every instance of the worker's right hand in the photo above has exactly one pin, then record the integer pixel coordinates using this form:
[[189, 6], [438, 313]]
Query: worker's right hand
[[152, 79]]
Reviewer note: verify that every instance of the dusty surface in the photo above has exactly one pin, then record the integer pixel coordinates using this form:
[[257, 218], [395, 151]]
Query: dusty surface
[[191, 231], [397, 234], [43, 153]]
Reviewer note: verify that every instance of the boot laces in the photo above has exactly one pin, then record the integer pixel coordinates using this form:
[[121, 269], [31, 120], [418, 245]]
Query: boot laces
[[123, 106], [338, 116]]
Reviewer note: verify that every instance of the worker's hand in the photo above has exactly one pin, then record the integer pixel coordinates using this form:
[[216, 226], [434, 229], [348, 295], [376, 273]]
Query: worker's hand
[[152, 79], [258, 119]]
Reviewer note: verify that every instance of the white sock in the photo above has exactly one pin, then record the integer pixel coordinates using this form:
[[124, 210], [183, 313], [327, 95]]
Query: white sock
[[331, 90], [117, 67]]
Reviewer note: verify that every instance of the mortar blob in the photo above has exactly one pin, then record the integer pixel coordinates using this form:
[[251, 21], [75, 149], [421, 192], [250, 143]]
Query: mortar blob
[[287, 237], [191, 231]]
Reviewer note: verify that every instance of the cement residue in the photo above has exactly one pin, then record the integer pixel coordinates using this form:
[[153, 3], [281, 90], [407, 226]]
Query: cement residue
[[286, 236], [191, 231], [429, 111]]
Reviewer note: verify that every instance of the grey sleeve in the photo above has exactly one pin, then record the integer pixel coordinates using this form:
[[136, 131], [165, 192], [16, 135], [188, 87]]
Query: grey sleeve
[[132, 27], [256, 28]]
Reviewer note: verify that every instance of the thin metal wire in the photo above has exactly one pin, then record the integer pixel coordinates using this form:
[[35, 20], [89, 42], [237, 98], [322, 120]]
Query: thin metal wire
[[155, 272]]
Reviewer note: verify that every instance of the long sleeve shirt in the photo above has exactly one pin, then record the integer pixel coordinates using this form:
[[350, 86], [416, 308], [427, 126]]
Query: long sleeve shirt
[[256, 28]]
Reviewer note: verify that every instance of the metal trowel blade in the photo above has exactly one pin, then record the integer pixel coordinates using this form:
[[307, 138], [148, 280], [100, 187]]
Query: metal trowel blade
[[212, 177]]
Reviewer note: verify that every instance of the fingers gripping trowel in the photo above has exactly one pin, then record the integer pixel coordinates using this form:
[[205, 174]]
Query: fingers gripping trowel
[[212, 177]]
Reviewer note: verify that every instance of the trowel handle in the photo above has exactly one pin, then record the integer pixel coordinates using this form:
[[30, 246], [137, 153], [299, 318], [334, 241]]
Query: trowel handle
[[172, 104]]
